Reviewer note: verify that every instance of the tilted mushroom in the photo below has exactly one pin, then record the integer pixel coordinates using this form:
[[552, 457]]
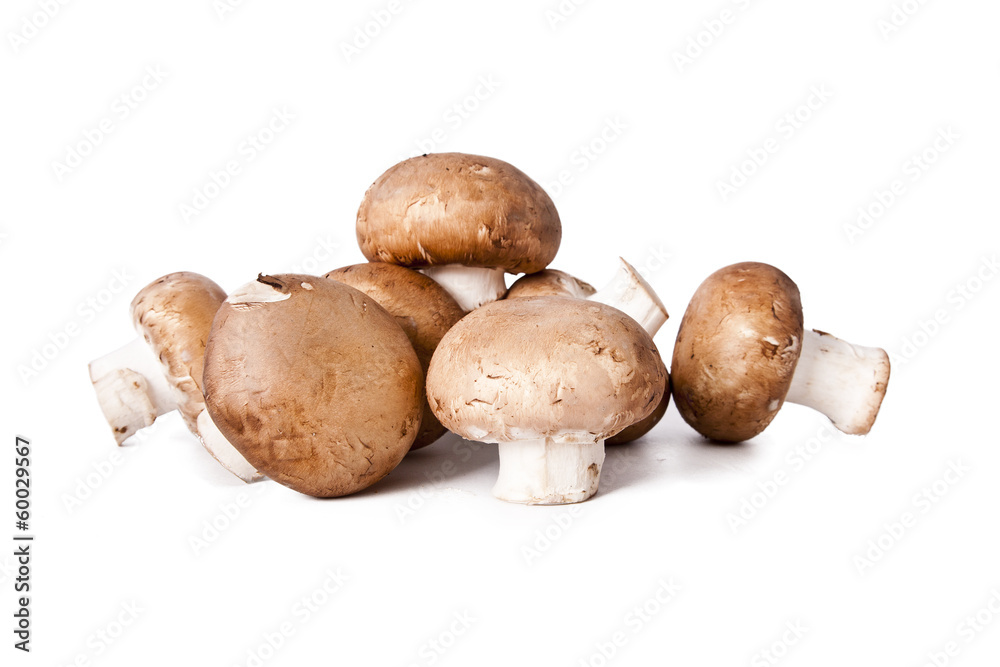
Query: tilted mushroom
[[314, 382], [548, 379], [161, 370], [421, 307], [627, 291], [741, 352], [465, 220]]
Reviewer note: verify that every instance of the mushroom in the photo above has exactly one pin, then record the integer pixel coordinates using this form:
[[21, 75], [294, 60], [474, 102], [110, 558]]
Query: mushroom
[[161, 370], [549, 379], [421, 307], [627, 291], [741, 352], [314, 382], [464, 220]]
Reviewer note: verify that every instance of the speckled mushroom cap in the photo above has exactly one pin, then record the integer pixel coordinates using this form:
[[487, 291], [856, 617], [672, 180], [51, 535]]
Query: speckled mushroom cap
[[568, 369], [423, 309], [453, 208], [550, 282], [313, 382], [174, 315], [736, 351], [643, 426]]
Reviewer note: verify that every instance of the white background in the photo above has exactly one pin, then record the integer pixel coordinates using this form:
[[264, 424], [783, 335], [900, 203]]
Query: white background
[[536, 585]]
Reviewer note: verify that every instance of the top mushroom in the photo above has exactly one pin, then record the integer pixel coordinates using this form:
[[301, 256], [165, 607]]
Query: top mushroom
[[465, 220]]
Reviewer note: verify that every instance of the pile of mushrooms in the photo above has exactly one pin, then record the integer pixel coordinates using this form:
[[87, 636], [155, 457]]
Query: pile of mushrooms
[[386, 357]]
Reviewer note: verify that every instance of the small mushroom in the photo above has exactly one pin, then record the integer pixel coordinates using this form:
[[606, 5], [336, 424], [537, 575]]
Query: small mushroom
[[741, 352], [549, 379], [161, 370], [627, 291], [314, 382], [464, 220], [421, 307]]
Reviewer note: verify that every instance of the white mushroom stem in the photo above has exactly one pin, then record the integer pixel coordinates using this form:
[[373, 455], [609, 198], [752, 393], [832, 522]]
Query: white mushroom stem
[[630, 293], [471, 286], [545, 472], [131, 388], [843, 381], [223, 451]]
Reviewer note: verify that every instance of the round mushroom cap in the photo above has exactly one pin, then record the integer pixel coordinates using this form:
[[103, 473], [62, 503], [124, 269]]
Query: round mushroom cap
[[313, 382], [550, 282], [423, 309], [174, 315], [545, 366], [736, 351], [453, 208]]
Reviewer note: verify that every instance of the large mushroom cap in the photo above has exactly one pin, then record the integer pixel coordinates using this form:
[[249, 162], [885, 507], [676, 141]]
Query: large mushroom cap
[[174, 315], [453, 208], [423, 309], [554, 367], [314, 383], [736, 351], [550, 282]]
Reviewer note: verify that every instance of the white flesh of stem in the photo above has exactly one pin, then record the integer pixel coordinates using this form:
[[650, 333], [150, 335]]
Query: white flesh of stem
[[544, 472]]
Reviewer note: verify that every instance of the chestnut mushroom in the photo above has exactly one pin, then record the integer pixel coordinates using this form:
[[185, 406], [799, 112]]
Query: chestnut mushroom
[[741, 352], [464, 220], [314, 383]]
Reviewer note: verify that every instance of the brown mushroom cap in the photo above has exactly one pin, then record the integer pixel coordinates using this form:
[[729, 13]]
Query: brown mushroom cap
[[562, 368], [453, 208], [313, 382], [644, 426], [421, 307], [736, 351], [174, 315], [550, 282]]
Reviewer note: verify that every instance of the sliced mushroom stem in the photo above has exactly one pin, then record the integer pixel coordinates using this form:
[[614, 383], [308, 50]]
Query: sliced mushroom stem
[[223, 451], [843, 381], [545, 472], [131, 387], [630, 293], [471, 286]]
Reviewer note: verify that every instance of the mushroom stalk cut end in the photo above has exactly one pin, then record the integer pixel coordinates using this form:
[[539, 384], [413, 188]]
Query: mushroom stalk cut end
[[843, 381], [470, 286], [545, 472], [630, 293], [131, 388]]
